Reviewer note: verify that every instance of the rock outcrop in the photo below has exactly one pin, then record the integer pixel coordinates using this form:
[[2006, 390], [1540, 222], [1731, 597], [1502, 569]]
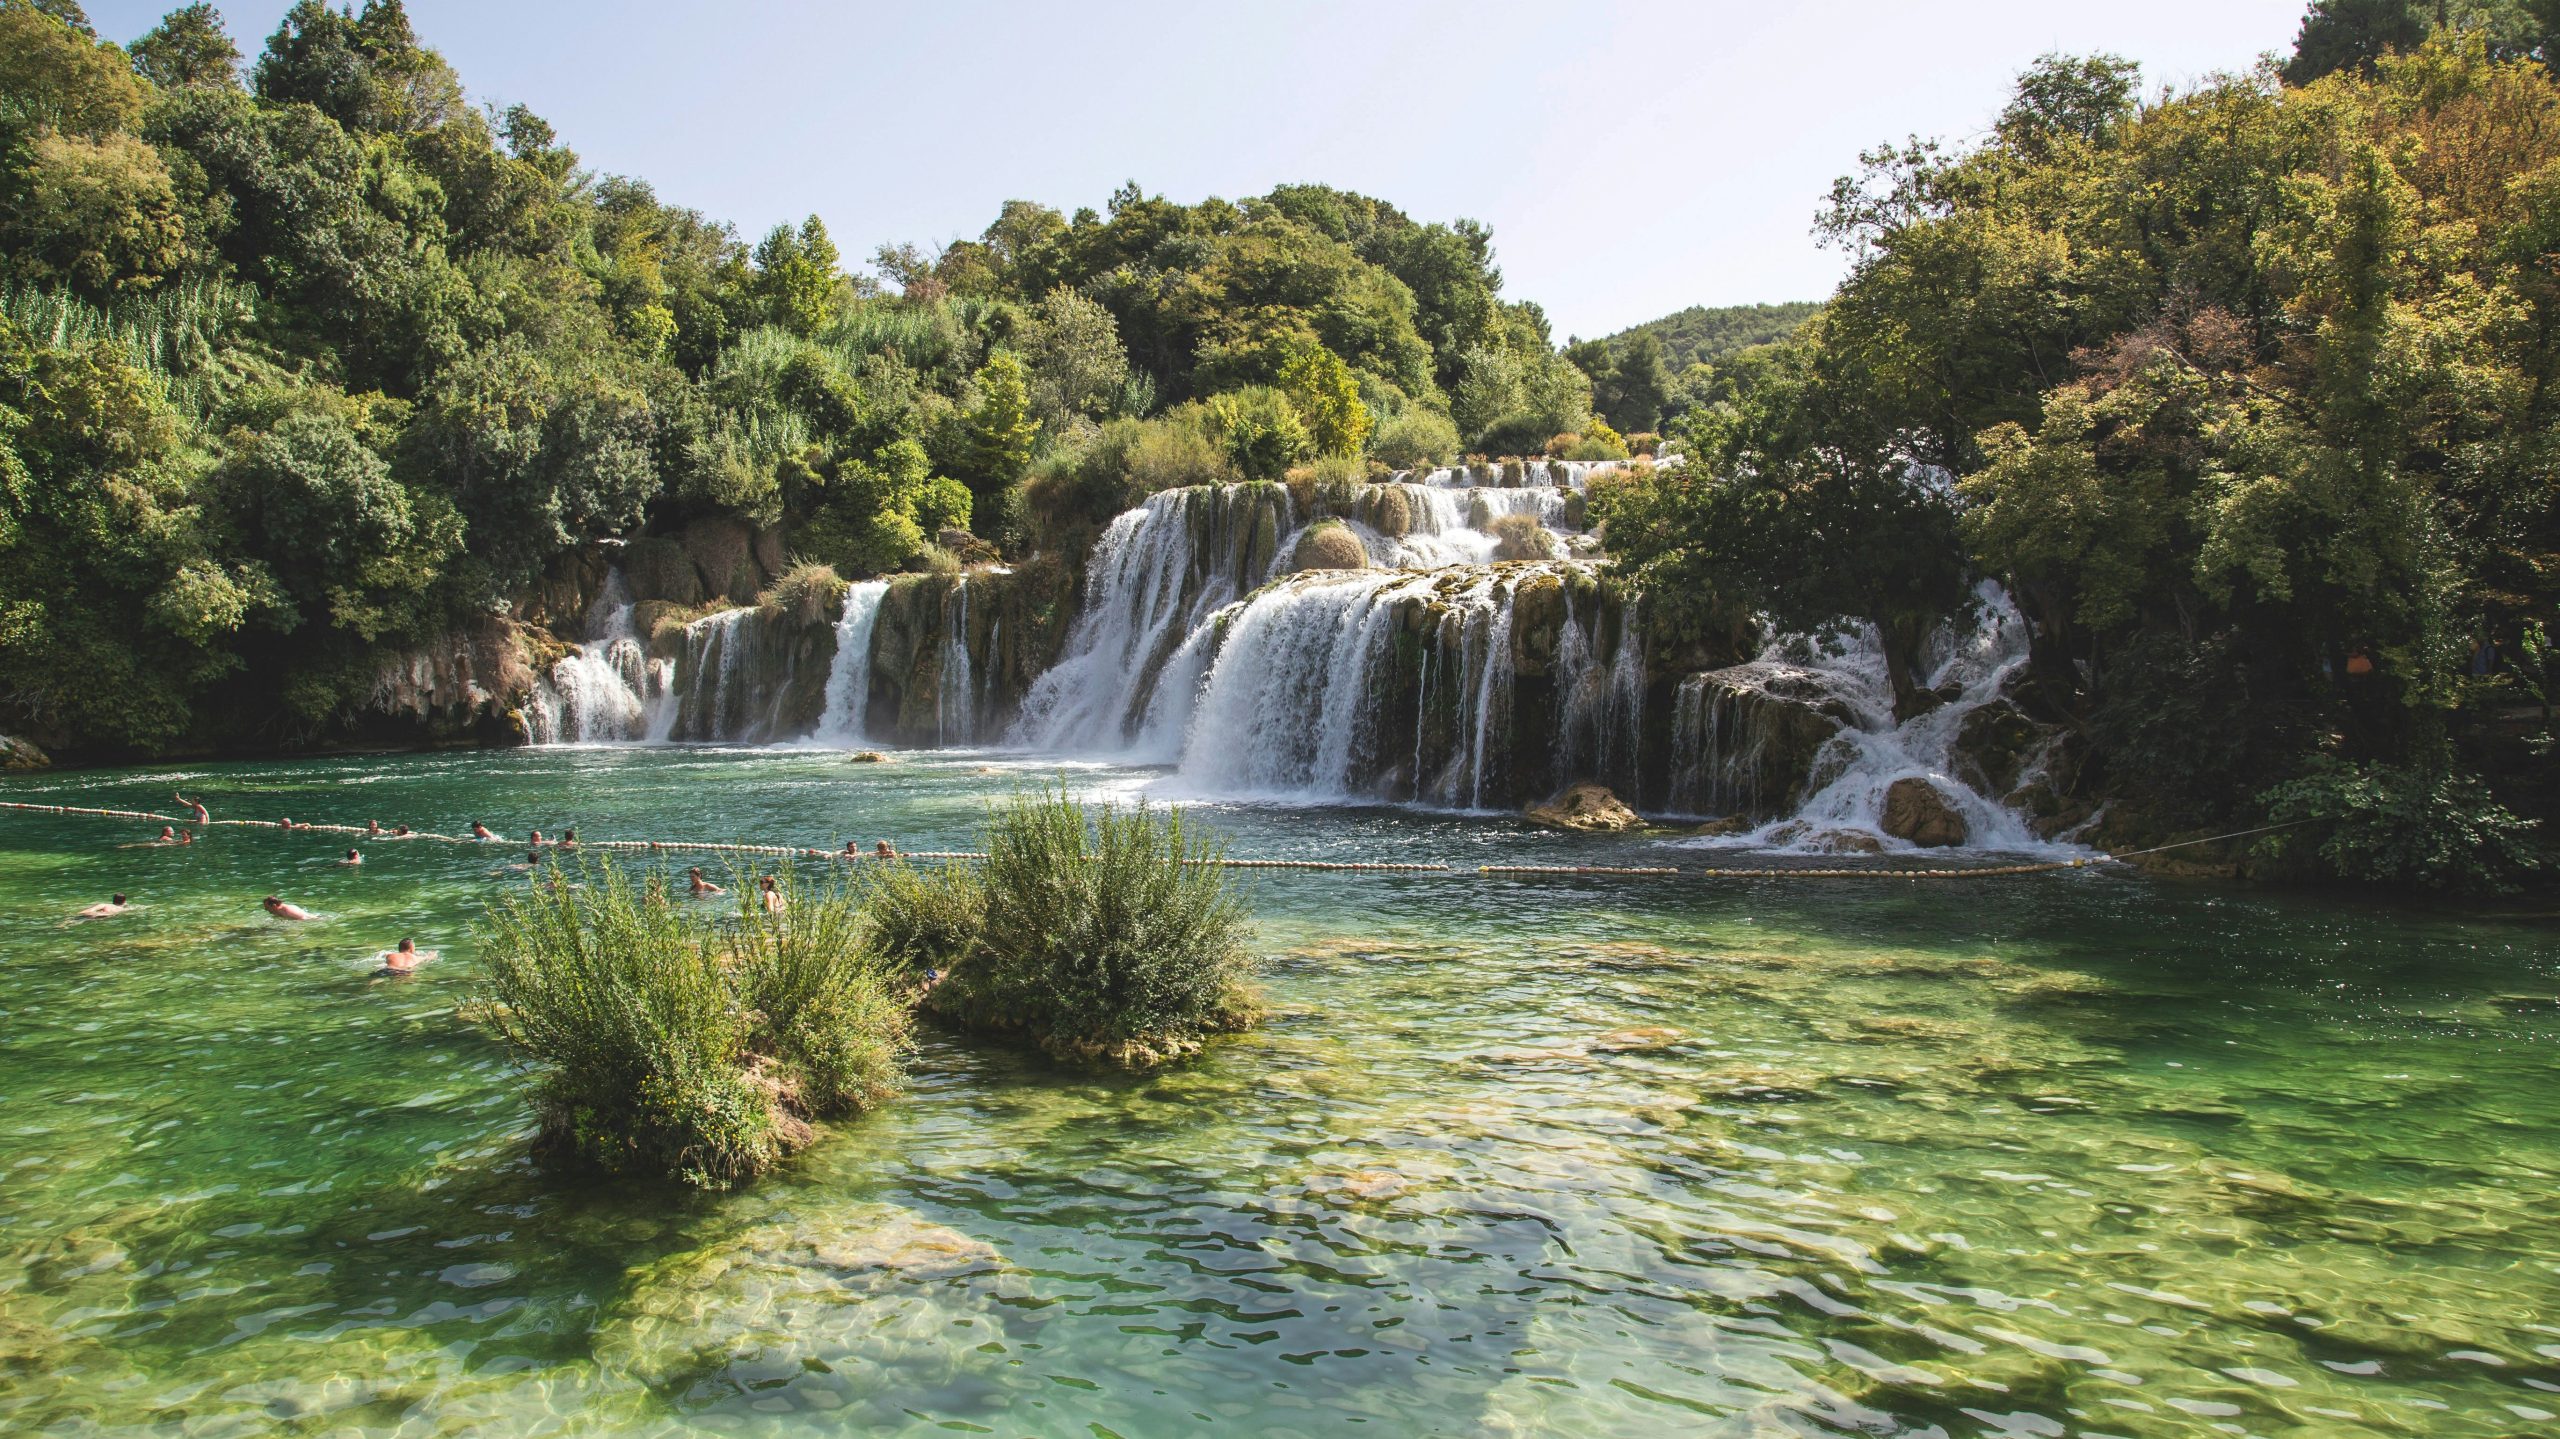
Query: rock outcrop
[[1587, 808], [1915, 811], [22, 754]]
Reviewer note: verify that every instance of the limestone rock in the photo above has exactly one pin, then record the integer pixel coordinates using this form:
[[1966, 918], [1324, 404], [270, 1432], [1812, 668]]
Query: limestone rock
[[1725, 828], [17, 753], [852, 1298], [1589, 808], [866, 756], [1993, 746], [1914, 810]]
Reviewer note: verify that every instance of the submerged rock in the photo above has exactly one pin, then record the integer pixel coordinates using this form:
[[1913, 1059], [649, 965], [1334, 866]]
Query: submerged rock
[[1915, 811], [853, 1297], [1589, 808], [866, 756]]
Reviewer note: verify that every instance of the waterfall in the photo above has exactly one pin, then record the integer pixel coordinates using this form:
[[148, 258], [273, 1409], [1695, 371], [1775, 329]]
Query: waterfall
[[1740, 733], [1156, 576], [956, 693], [848, 703], [607, 690], [1447, 687]]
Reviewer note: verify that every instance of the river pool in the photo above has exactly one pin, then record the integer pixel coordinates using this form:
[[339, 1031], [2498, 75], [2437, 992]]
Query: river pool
[[2072, 1153]]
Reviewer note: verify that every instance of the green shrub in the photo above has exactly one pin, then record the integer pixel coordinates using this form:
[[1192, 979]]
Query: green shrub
[[667, 1047], [1521, 537], [2421, 826], [1106, 935], [1328, 545], [918, 919], [808, 593], [1414, 440]]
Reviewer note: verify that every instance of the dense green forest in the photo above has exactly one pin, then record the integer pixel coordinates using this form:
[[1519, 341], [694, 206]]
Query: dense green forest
[[306, 358], [2245, 394]]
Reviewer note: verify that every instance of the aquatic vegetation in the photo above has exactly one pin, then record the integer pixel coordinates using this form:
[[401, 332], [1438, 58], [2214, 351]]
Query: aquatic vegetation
[[663, 1046], [1105, 933]]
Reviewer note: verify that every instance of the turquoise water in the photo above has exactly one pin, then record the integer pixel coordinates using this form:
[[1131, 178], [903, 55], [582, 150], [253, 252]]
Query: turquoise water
[[2068, 1154]]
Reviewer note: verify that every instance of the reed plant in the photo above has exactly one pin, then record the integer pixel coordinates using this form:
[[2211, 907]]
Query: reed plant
[[700, 1050], [1104, 933]]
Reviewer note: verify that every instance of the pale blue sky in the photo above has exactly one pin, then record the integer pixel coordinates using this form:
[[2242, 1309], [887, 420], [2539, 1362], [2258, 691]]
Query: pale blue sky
[[1631, 158]]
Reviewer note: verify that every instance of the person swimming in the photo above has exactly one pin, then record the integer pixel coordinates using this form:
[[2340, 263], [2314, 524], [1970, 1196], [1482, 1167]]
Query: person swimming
[[282, 910], [405, 959], [568, 839], [853, 849], [702, 888], [167, 836], [186, 836], [109, 910], [882, 850], [481, 831], [537, 839], [532, 860], [373, 827], [202, 815], [400, 832], [354, 858], [773, 901]]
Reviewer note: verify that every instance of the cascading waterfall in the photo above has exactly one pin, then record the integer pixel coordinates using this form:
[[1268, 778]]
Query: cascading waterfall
[[1730, 724], [1156, 576], [849, 679], [608, 690], [956, 704]]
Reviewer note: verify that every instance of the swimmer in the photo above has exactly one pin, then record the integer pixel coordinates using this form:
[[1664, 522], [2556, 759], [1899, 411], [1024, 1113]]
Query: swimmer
[[853, 849], [532, 860], [702, 888], [481, 831], [286, 823], [109, 910], [405, 959], [282, 910], [167, 836], [201, 814], [186, 836], [568, 839], [773, 903], [373, 828], [883, 851], [400, 833], [353, 859], [537, 839]]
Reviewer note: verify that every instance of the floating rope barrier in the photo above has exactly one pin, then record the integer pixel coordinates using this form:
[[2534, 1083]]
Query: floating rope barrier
[[783, 851], [1572, 869]]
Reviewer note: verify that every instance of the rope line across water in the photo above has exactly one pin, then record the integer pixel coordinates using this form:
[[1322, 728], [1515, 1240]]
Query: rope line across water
[[1339, 866]]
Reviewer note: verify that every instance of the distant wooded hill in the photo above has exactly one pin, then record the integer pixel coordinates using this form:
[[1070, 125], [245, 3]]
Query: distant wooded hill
[[1704, 334]]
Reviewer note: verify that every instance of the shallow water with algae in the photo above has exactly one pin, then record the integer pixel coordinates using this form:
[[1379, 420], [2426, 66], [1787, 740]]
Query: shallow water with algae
[[2070, 1154]]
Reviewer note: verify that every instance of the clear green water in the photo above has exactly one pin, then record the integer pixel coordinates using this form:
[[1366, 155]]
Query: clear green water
[[2075, 1154]]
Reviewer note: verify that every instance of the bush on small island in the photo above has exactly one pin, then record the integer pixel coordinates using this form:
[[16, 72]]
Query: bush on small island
[[671, 1048], [1100, 935]]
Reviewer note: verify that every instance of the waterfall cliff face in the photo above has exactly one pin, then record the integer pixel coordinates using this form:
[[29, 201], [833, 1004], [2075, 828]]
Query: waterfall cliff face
[[1473, 650], [1435, 675]]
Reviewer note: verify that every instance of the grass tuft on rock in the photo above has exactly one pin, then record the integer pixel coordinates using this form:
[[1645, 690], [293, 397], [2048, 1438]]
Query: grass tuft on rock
[[664, 1045], [1100, 933]]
